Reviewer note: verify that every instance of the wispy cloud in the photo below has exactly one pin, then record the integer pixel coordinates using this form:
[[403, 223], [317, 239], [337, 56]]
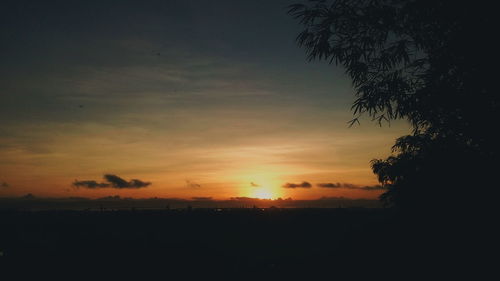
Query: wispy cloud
[[192, 184], [329, 185]]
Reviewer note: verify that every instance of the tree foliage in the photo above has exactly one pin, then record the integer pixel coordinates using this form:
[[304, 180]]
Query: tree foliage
[[429, 62]]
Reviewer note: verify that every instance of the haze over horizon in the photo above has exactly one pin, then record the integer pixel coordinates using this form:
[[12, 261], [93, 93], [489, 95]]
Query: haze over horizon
[[175, 100]]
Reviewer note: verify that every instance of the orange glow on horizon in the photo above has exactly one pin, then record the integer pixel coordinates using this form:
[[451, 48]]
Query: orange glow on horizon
[[255, 171]]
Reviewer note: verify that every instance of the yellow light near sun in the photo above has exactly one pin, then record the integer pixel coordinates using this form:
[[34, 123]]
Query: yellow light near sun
[[259, 180], [262, 193], [269, 189], [263, 185]]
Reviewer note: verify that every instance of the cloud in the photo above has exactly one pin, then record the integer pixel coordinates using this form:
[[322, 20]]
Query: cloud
[[118, 182], [338, 185], [90, 184], [373, 187], [4, 185], [191, 184], [252, 184], [113, 181], [304, 184], [138, 183], [329, 185], [350, 186]]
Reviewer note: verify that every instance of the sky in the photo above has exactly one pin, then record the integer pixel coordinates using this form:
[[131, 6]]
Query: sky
[[189, 98]]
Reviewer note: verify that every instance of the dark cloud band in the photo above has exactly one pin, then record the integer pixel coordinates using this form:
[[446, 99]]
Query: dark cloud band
[[304, 184], [90, 184], [349, 186], [113, 181]]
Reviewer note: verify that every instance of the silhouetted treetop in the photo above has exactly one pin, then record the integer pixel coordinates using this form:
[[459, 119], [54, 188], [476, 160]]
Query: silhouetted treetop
[[428, 62], [419, 60]]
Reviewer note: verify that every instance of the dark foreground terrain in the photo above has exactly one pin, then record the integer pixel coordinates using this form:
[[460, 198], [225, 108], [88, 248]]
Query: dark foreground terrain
[[234, 243]]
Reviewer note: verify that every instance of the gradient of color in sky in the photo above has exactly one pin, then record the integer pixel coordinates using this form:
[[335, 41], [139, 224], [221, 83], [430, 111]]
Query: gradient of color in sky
[[201, 98]]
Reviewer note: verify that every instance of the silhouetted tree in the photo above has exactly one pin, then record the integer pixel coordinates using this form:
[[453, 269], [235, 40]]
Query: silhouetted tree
[[429, 62]]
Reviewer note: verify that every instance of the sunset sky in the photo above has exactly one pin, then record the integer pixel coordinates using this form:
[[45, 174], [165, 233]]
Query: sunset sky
[[199, 98]]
